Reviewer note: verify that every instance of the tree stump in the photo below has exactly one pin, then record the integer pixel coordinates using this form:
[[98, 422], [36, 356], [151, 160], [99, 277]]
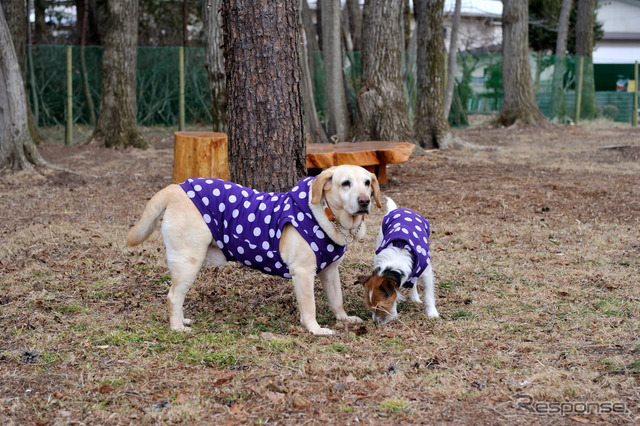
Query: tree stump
[[200, 154]]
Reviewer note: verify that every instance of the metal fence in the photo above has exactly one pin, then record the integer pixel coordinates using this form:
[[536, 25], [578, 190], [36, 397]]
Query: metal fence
[[478, 85]]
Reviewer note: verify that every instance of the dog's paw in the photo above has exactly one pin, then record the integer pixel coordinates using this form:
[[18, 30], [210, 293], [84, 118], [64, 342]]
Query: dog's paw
[[182, 328], [319, 331], [186, 321], [415, 298], [432, 313], [354, 318]]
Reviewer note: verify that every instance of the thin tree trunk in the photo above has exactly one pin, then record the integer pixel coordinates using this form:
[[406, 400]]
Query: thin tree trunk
[[452, 61], [116, 126], [332, 54], [584, 47], [17, 148], [83, 64], [559, 112], [355, 23], [431, 126], [266, 134], [519, 100], [214, 63]]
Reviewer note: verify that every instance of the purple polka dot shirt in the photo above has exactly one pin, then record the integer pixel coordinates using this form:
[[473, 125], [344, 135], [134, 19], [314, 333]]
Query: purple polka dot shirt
[[406, 229], [247, 224]]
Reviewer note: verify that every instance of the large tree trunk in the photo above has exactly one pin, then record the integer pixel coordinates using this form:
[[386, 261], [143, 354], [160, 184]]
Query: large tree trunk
[[519, 100], [559, 112], [332, 54], [40, 27], [451, 64], [382, 113], [17, 148], [584, 47], [431, 126], [214, 63], [116, 126], [266, 135]]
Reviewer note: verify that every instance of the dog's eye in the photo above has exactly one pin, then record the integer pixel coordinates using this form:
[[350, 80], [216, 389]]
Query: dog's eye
[[346, 184], [367, 182]]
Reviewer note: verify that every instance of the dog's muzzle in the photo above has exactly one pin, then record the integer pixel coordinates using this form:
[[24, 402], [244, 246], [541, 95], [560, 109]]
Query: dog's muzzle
[[363, 204]]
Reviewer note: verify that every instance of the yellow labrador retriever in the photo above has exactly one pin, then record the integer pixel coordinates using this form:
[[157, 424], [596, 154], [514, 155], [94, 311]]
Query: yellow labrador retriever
[[296, 234]]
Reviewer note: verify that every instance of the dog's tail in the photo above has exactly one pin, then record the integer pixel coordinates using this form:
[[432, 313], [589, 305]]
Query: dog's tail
[[152, 212], [391, 205]]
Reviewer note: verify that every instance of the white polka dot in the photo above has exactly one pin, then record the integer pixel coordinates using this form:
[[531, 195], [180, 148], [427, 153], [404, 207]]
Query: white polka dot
[[300, 216], [244, 193], [208, 181], [294, 223], [262, 206], [266, 268], [197, 188], [415, 234], [227, 186], [323, 265], [336, 257], [239, 229], [206, 218], [405, 230], [240, 250], [418, 228], [221, 207], [252, 246], [226, 239], [246, 262], [286, 207], [220, 244], [257, 232], [303, 195], [397, 215], [274, 198], [216, 192], [258, 258], [278, 265], [419, 248], [247, 204], [267, 219], [190, 180], [278, 234], [314, 246], [205, 201], [286, 275], [295, 188], [270, 254], [191, 194], [425, 240], [232, 199], [235, 213], [226, 224], [276, 209], [319, 234], [251, 217], [260, 197], [330, 248], [272, 233], [265, 245], [408, 219]]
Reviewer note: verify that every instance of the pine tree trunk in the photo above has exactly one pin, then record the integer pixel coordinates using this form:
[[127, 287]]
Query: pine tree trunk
[[266, 136], [117, 126], [584, 47], [17, 148], [214, 63], [559, 112], [382, 113], [332, 53], [431, 126], [519, 100]]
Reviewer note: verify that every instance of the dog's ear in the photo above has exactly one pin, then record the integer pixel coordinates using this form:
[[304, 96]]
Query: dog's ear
[[389, 287], [375, 189], [321, 183], [362, 279]]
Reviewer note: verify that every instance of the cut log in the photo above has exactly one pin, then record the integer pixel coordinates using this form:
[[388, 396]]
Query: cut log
[[200, 154], [372, 155]]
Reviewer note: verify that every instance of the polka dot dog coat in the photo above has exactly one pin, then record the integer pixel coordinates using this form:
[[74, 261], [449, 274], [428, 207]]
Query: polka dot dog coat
[[247, 224], [406, 229]]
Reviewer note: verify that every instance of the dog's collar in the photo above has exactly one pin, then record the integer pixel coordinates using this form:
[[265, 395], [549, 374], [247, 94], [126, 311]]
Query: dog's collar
[[348, 237]]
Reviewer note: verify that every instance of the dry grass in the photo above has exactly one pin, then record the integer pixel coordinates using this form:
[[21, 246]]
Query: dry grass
[[536, 247]]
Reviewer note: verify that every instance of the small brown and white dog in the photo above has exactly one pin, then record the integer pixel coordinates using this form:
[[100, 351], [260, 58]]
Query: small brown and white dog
[[402, 260], [297, 234]]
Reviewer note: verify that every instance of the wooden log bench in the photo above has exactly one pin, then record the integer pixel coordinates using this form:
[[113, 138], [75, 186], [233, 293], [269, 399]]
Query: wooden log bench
[[204, 154], [372, 155]]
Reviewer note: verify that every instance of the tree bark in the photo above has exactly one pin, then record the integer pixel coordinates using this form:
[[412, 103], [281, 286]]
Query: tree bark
[[584, 47], [559, 112], [40, 27], [214, 63], [519, 100], [338, 125], [116, 126], [451, 64], [83, 63], [355, 23], [266, 135], [382, 113], [17, 148], [431, 126]]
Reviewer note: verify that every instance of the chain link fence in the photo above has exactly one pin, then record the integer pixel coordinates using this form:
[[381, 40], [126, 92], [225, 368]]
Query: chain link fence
[[478, 85]]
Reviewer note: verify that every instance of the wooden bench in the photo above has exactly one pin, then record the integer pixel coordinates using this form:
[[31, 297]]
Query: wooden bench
[[373, 156]]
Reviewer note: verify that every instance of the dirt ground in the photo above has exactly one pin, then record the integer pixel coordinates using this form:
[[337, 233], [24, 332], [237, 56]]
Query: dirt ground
[[536, 248]]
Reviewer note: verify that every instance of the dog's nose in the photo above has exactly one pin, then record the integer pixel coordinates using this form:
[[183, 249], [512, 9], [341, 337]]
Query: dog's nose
[[363, 201]]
